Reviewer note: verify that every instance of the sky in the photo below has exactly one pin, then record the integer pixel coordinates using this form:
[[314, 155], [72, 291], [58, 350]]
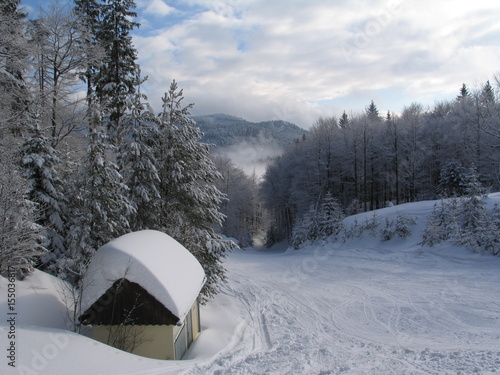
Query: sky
[[298, 60]]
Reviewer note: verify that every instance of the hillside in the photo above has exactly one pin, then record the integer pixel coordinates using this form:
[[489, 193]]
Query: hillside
[[362, 306], [224, 130]]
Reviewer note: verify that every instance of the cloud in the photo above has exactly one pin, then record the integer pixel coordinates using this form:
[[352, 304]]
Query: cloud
[[298, 60], [156, 8]]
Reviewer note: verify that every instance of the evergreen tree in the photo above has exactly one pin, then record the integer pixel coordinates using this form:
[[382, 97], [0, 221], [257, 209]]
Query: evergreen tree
[[474, 223], [14, 54], [464, 92], [441, 225], [38, 164], [344, 120], [329, 217], [492, 240], [88, 12], [189, 199], [305, 229], [100, 209], [372, 112], [138, 164], [487, 94], [403, 225], [116, 78], [452, 180], [473, 187], [20, 236]]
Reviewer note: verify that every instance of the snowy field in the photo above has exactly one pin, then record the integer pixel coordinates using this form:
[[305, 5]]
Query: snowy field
[[359, 307]]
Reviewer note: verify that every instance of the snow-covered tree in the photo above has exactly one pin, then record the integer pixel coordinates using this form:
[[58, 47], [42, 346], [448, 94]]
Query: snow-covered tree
[[441, 224], [329, 217], [474, 222], [464, 92], [242, 208], [189, 199], [492, 240], [100, 210], [139, 165], [400, 226], [39, 162], [116, 78], [305, 229], [452, 180], [59, 59], [20, 236], [14, 62]]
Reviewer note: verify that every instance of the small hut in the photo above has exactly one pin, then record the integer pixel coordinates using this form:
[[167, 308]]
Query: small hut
[[140, 294]]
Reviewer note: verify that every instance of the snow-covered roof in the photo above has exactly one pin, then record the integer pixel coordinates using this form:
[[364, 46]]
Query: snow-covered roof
[[152, 259]]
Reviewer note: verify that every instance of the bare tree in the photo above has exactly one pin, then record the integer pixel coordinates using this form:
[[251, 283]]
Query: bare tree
[[59, 61]]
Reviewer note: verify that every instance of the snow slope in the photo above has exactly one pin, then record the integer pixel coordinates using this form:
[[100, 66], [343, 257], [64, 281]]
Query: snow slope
[[359, 307]]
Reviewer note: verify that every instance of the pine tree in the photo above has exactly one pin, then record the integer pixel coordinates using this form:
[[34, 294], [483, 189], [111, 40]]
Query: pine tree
[[39, 163], [305, 229], [20, 236], [452, 180], [329, 217], [189, 198], [372, 112], [473, 187], [138, 164], [487, 94], [492, 241], [14, 52], [403, 225], [116, 78], [344, 120], [88, 12], [473, 222], [464, 92], [100, 209], [441, 225]]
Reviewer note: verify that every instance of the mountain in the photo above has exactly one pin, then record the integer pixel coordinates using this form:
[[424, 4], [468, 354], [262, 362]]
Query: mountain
[[224, 130]]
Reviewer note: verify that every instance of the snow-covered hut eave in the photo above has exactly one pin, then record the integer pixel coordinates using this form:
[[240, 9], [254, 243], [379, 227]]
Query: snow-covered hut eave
[[175, 282], [183, 317]]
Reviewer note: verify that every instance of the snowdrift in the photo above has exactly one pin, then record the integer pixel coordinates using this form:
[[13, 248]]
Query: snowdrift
[[359, 306]]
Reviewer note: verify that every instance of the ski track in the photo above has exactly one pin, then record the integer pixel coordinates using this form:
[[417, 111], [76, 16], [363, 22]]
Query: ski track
[[369, 313]]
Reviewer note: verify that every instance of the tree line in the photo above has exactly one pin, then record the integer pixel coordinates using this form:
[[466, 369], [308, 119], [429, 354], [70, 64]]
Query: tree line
[[368, 161]]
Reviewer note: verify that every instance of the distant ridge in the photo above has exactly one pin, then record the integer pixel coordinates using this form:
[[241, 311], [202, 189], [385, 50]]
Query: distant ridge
[[224, 130]]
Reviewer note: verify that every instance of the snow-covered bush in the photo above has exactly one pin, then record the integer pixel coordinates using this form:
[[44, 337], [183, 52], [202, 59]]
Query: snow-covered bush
[[387, 232], [371, 224], [401, 227], [318, 224], [474, 224], [354, 231], [466, 222]]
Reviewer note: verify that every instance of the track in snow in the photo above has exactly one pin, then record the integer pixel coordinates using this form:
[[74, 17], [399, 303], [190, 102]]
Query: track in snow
[[344, 311]]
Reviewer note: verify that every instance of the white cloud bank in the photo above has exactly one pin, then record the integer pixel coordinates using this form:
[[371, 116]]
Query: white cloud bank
[[297, 60]]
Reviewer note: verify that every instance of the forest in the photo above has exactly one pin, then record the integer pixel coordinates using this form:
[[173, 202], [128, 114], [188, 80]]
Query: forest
[[86, 159], [369, 160]]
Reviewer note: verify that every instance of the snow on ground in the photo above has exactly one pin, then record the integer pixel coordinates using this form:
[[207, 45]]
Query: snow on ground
[[359, 307]]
